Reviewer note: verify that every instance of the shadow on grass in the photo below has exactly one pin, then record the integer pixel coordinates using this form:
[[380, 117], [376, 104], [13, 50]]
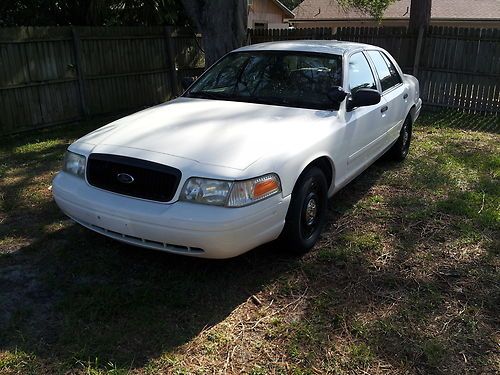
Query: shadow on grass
[[75, 296], [121, 304], [70, 296]]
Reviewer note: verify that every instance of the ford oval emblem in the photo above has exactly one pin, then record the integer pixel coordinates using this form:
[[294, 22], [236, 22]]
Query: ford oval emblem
[[125, 178]]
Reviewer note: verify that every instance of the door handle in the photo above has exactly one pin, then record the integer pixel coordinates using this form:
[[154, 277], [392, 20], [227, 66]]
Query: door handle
[[405, 96], [384, 108]]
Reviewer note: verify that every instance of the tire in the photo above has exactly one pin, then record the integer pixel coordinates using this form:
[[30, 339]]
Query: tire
[[399, 151], [306, 214]]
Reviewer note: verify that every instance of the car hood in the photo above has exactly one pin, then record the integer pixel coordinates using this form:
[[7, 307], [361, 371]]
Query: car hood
[[221, 133]]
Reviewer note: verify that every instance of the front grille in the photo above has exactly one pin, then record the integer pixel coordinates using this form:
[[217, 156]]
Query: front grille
[[148, 180]]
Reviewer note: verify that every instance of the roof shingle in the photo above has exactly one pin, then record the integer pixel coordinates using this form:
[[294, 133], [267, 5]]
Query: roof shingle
[[443, 9]]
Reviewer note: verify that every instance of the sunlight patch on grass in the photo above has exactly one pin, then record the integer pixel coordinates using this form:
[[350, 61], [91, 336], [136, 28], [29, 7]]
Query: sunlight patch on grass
[[95, 367], [361, 242], [11, 244], [360, 353], [42, 146], [57, 226], [167, 361], [19, 363]]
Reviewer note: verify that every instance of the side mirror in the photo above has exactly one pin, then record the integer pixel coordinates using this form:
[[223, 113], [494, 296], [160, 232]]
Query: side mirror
[[187, 81], [336, 94], [363, 98]]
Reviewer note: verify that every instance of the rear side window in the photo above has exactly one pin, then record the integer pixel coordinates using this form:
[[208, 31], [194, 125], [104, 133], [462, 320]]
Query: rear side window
[[360, 73], [387, 72]]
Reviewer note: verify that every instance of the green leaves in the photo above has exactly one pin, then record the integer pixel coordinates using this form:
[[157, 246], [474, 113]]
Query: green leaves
[[374, 8], [92, 13]]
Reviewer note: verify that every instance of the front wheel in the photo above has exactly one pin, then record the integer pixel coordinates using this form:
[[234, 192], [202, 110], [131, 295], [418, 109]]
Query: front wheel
[[399, 151], [307, 212]]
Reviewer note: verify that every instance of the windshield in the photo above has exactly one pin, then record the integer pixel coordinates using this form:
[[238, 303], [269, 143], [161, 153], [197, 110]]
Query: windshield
[[272, 77]]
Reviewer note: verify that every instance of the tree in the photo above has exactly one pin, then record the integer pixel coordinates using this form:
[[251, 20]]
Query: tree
[[374, 8], [91, 12], [420, 10], [420, 14], [222, 23]]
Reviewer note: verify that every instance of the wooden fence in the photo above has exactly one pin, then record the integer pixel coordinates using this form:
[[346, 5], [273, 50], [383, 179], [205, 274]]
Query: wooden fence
[[457, 68], [51, 75]]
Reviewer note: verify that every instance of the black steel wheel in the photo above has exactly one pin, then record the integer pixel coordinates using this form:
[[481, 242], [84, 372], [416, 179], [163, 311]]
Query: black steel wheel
[[399, 151], [307, 212]]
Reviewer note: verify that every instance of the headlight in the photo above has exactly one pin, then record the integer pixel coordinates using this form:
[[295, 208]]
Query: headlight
[[74, 164], [205, 191], [230, 193]]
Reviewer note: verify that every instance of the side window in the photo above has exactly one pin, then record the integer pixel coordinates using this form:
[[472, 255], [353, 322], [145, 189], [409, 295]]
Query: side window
[[386, 70], [360, 73]]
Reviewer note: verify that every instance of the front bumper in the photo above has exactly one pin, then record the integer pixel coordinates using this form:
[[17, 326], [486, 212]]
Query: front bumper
[[180, 227]]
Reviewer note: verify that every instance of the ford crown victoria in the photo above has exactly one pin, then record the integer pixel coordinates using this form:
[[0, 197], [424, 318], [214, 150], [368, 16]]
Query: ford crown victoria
[[249, 153]]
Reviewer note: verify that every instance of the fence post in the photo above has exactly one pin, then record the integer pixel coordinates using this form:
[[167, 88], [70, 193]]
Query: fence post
[[418, 50], [77, 45], [171, 61]]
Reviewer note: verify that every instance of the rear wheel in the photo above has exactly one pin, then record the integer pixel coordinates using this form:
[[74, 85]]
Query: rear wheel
[[399, 151], [307, 212]]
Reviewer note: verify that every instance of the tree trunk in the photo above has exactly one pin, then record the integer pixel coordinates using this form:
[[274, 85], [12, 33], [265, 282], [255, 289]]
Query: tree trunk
[[222, 23], [420, 14]]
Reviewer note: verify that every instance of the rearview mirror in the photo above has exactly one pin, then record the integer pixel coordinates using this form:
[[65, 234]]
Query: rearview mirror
[[187, 81], [363, 98]]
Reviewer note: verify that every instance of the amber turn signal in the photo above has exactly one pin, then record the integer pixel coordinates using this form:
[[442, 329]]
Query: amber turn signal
[[265, 187]]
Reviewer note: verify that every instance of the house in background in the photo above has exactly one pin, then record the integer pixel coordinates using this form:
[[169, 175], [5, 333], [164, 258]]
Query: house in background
[[268, 14], [457, 13]]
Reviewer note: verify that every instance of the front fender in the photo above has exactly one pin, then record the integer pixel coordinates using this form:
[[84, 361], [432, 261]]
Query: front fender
[[290, 167]]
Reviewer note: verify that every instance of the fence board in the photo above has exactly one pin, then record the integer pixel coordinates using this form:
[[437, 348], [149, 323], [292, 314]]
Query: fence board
[[129, 67], [121, 68]]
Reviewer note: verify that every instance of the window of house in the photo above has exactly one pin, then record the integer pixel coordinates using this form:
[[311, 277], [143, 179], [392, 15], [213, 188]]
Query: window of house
[[387, 72], [360, 73]]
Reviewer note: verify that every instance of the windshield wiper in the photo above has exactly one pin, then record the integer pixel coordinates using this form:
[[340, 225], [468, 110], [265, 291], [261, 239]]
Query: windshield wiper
[[251, 99], [271, 101], [207, 95]]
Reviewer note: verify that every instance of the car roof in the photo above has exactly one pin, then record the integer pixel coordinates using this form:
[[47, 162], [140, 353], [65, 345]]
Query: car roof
[[335, 47]]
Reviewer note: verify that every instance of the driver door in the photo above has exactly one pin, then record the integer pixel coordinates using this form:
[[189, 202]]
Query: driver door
[[364, 125]]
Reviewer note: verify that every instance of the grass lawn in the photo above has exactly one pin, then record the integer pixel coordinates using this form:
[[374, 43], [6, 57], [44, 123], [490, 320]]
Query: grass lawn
[[405, 280]]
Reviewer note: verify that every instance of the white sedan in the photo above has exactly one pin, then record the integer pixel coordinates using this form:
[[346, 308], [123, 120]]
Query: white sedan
[[250, 152]]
